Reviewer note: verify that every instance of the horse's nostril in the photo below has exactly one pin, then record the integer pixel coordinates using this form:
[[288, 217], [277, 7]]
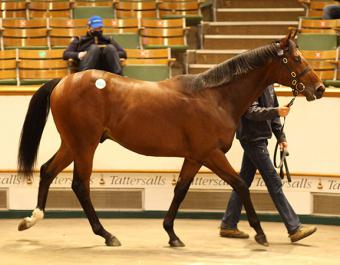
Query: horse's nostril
[[319, 91]]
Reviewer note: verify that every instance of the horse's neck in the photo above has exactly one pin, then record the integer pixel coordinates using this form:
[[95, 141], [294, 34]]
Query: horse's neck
[[241, 93]]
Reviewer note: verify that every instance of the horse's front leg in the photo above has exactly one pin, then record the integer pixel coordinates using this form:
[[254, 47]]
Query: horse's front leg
[[219, 164], [187, 174]]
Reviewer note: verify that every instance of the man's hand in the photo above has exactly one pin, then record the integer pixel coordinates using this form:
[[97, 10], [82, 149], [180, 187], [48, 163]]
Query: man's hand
[[283, 111], [81, 55], [283, 146]]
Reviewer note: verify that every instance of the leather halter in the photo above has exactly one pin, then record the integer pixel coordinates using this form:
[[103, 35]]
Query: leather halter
[[297, 86]]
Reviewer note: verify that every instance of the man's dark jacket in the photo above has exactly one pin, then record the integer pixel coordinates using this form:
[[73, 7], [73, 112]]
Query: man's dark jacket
[[83, 44], [261, 120]]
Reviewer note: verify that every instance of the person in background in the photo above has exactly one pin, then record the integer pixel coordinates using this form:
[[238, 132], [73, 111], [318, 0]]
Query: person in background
[[255, 128], [331, 11], [95, 51]]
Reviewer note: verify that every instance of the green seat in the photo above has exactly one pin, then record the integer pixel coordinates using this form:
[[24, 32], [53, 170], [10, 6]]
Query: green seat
[[308, 41], [190, 20], [149, 65], [176, 48], [127, 40], [147, 72], [189, 10], [8, 82], [33, 81], [87, 12], [27, 47], [335, 83]]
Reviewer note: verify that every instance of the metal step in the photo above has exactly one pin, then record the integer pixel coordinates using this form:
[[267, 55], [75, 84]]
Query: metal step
[[248, 27], [238, 41], [258, 14], [257, 3]]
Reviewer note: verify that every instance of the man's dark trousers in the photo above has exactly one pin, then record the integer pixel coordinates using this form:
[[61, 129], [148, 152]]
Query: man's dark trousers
[[106, 58], [256, 156]]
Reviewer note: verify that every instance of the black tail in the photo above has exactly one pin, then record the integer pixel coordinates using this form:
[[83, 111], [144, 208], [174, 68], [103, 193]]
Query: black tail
[[33, 127]]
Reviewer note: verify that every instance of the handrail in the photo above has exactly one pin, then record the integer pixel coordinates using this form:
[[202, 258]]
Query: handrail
[[30, 89], [296, 174]]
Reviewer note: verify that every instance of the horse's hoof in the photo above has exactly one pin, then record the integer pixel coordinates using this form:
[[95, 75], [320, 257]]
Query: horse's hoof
[[262, 240], [177, 243], [113, 242], [23, 225]]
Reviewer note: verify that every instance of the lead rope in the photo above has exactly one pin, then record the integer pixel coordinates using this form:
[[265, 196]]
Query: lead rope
[[284, 153]]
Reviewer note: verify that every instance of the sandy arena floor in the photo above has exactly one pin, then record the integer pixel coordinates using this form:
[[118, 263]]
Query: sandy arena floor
[[70, 241]]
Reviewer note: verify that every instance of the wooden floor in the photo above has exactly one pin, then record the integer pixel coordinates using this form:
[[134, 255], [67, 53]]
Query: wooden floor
[[70, 241]]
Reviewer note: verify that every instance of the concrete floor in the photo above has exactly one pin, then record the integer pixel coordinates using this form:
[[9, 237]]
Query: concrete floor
[[70, 241]]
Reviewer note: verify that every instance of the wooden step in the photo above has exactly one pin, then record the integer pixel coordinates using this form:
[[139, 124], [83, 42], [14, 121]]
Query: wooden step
[[257, 3], [248, 28], [211, 56], [199, 68], [259, 14], [238, 41]]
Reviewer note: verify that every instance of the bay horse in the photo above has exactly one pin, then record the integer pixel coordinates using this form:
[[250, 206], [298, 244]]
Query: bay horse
[[189, 116]]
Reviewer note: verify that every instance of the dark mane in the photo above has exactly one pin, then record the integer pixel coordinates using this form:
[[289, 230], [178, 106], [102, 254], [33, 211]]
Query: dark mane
[[229, 70]]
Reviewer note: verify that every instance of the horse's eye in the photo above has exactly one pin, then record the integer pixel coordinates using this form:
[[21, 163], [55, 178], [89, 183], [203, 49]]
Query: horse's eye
[[297, 59]]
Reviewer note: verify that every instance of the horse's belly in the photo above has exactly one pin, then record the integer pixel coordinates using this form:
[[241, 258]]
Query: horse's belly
[[169, 127], [152, 145], [151, 137]]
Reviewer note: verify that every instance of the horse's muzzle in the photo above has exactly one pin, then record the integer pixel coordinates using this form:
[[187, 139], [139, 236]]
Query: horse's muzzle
[[319, 91]]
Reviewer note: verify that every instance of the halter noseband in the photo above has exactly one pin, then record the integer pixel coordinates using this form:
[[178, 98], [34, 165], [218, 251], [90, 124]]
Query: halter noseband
[[297, 86]]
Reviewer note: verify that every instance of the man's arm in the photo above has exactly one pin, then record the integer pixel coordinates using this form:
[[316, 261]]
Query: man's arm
[[257, 113], [276, 127], [276, 122], [273, 114], [71, 51]]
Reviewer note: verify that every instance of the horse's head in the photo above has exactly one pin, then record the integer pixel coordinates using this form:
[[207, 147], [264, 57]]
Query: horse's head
[[296, 72]]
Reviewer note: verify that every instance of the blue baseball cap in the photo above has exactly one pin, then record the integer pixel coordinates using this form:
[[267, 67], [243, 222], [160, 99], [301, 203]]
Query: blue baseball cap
[[95, 22]]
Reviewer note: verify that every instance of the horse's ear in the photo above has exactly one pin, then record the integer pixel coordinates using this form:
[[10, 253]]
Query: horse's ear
[[293, 32], [284, 43], [292, 48]]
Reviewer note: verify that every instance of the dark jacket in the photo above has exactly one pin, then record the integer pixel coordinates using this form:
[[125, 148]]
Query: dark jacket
[[82, 44], [261, 120]]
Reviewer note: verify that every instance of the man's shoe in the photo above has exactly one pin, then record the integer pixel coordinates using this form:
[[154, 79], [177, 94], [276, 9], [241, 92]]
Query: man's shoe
[[233, 233], [302, 232]]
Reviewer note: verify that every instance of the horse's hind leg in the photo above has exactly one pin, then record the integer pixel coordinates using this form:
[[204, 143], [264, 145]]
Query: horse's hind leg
[[81, 187], [187, 174], [48, 172], [219, 164]]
